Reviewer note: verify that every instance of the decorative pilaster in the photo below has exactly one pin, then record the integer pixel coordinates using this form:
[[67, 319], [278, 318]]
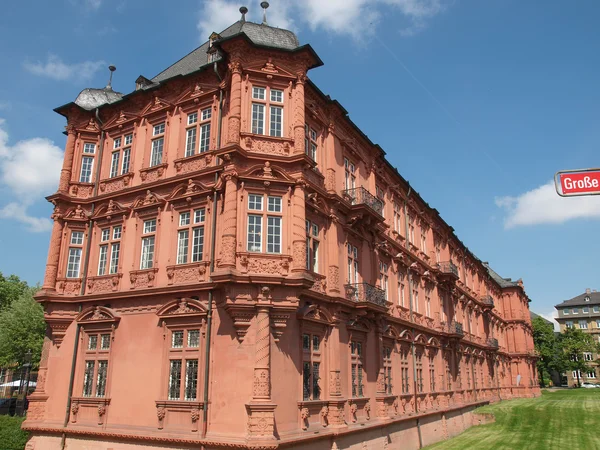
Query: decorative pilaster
[[261, 411], [53, 253], [36, 411], [333, 247], [299, 228], [235, 113], [299, 114], [229, 238], [65, 173]]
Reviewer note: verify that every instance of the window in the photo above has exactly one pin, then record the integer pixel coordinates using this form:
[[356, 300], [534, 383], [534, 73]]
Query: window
[[566, 311], [587, 299], [415, 288], [183, 365], [432, 373], [110, 249], [423, 241], [596, 309], [274, 223], [591, 374], [95, 372], [428, 302], [149, 231], [587, 356], [157, 145], [419, 364], [312, 246], [274, 105], [397, 217], [583, 324], [352, 264], [387, 370], [411, 230], [575, 310], [438, 254], [401, 294], [404, 372], [585, 310], [192, 132], [75, 250], [310, 142], [576, 374], [89, 148], [186, 252], [311, 366], [356, 368], [87, 163], [120, 157], [597, 323], [349, 174], [383, 278], [569, 324]]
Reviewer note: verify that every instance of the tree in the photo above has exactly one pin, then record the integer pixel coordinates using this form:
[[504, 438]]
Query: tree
[[22, 328], [11, 288], [575, 343], [552, 357]]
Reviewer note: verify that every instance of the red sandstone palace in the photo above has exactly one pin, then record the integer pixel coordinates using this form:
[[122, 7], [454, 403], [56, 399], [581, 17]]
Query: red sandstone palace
[[234, 263]]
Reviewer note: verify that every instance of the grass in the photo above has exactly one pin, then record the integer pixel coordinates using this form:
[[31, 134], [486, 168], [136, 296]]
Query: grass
[[11, 435], [558, 419]]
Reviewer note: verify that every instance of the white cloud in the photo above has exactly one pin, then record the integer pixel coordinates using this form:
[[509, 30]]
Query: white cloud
[[356, 18], [56, 69], [543, 205], [29, 169]]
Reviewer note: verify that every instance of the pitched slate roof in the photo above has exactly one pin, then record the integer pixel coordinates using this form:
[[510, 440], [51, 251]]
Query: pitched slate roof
[[503, 282], [534, 316], [580, 300], [259, 34]]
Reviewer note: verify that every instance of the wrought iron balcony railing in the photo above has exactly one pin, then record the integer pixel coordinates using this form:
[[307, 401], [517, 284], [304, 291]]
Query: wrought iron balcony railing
[[492, 342], [487, 300], [455, 327], [365, 292], [448, 267], [361, 196]]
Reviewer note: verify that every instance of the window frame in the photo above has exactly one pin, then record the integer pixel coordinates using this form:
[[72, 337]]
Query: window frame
[[191, 227], [268, 105], [76, 246], [113, 246], [262, 217], [313, 242], [146, 236]]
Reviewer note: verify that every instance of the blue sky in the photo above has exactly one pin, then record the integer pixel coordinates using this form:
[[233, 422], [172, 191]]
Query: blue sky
[[477, 103]]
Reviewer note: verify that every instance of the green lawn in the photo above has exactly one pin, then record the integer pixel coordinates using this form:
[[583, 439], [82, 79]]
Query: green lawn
[[563, 419]]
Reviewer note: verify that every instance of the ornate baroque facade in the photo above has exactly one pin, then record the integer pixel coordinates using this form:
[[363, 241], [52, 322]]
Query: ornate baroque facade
[[234, 264]]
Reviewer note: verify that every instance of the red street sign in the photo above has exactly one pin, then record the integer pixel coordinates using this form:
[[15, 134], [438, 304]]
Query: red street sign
[[577, 182]]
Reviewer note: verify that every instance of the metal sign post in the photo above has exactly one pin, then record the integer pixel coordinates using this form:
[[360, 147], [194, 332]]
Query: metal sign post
[[569, 183]]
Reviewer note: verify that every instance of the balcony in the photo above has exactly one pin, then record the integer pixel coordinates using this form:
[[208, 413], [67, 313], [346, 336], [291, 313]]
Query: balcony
[[448, 272], [360, 197], [365, 292], [455, 328], [487, 300], [492, 342]]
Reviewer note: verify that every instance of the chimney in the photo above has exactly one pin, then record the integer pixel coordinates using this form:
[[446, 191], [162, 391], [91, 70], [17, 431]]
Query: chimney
[[264, 6], [588, 291], [243, 10]]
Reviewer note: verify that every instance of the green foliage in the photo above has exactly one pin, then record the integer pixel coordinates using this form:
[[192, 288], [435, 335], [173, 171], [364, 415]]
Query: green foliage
[[575, 343], [11, 435], [563, 419], [22, 328], [552, 357], [11, 288]]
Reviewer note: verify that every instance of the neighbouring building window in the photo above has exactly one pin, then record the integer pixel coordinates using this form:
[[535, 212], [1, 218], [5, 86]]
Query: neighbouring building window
[[419, 364], [349, 174], [387, 370], [566, 311], [598, 323], [569, 324], [74, 257], [576, 374], [190, 236], [383, 278], [583, 324], [591, 374], [120, 157], [110, 249], [404, 372], [265, 99], [311, 366], [356, 368], [158, 142], [587, 356], [310, 142], [596, 309], [312, 246], [352, 264], [575, 310], [95, 372], [256, 217], [183, 364], [148, 240], [585, 310]]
